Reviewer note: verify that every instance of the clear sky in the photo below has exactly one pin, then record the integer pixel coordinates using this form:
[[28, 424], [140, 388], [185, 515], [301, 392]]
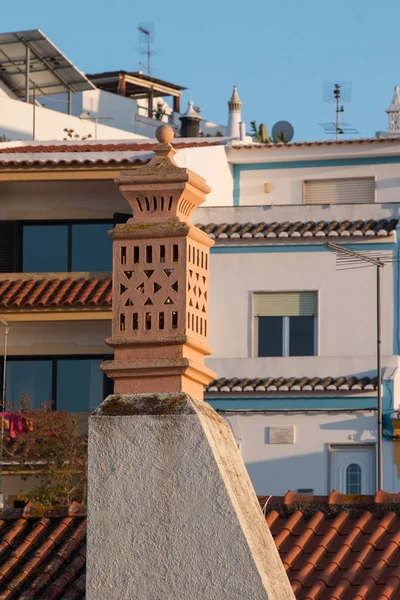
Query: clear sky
[[278, 53]]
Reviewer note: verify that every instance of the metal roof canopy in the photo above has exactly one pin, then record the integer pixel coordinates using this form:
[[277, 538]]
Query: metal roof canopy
[[29, 60]]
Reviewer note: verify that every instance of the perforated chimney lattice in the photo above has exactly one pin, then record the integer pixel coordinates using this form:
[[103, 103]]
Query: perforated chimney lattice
[[147, 282], [197, 289]]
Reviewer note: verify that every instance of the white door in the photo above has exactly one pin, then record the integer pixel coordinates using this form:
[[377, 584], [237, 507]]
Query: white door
[[352, 469]]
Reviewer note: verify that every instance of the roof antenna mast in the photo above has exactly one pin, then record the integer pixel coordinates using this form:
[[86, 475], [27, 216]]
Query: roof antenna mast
[[146, 34], [337, 92]]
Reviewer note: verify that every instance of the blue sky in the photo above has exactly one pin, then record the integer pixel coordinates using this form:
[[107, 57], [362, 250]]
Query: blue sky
[[279, 54]]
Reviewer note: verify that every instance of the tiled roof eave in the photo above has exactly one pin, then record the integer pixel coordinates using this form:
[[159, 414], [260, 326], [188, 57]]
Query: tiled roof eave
[[306, 241], [298, 394], [41, 310]]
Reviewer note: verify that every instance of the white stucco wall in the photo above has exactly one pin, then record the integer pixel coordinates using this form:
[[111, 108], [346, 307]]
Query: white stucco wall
[[286, 185], [16, 123], [277, 468], [346, 300], [209, 162]]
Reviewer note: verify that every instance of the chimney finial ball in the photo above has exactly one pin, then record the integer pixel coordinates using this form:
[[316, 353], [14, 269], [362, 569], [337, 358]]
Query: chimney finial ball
[[165, 134]]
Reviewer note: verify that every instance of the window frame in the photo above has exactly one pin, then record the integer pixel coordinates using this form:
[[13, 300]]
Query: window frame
[[285, 326], [107, 382], [20, 224], [359, 473]]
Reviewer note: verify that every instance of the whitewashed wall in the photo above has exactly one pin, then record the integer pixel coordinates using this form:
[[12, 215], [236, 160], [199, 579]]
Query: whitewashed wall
[[277, 468], [287, 184], [16, 123], [346, 309]]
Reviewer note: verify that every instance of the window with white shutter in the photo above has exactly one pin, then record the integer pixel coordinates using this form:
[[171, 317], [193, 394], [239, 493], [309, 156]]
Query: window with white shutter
[[285, 323], [358, 190]]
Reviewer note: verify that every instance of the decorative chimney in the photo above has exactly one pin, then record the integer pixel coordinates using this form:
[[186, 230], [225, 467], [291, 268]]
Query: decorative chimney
[[394, 112], [171, 510], [160, 281], [190, 123], [235, 117]]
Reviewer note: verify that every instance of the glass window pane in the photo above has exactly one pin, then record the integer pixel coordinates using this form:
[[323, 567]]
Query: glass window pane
[[45, 248], [91, 247], [270, 336], [79, 384], [353, 479], [32, 377], [301, 336]]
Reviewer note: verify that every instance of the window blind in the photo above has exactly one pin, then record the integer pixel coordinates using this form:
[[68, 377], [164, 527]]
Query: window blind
[[285, 304], [358, 190]]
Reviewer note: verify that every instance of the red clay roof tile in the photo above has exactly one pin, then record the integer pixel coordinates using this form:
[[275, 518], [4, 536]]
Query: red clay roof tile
[[99, 147], [331, 551], [55, 293]]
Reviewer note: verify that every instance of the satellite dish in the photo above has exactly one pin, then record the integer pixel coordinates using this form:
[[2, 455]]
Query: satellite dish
[[282, 131]]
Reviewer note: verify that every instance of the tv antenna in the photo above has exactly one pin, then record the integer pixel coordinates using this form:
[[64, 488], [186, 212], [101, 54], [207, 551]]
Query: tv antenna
[[337, 93], [146, 37]]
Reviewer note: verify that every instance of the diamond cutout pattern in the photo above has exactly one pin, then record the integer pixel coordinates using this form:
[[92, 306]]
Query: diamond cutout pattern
[[197, 289], [148, 298]]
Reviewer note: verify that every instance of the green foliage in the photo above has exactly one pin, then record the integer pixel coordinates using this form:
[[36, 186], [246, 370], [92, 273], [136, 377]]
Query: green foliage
[[71, 135], [260, 133], [4, 138], [159, 112], [54, 453]]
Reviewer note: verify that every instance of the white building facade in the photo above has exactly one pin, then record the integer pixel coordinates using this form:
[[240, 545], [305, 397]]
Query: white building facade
[[294, 337]]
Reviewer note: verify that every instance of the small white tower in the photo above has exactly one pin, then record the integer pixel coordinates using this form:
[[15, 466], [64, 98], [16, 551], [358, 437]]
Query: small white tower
[[394, 113], [235, 114]]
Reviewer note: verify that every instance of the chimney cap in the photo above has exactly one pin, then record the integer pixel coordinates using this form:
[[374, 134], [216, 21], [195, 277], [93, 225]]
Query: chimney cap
[[191, 113]]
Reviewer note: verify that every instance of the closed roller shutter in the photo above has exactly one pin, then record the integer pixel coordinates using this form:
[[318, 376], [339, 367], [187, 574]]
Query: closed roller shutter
[[285, 304], [360, 190]]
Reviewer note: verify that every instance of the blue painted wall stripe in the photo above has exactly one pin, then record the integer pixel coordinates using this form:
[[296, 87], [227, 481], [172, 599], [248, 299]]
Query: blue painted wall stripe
[[241, 249], [292, 403], [324, 162]]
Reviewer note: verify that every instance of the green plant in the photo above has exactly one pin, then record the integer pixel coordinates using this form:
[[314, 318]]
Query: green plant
[[76, 136], [260, 133], [52, 451]]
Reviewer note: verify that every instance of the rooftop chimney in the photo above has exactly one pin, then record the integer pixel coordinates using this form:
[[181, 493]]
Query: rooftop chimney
[[172, 514], [235, 117], [160, 280], [190, 123]]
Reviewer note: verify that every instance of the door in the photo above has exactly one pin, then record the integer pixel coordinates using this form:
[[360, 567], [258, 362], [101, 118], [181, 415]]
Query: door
[[352, 469]]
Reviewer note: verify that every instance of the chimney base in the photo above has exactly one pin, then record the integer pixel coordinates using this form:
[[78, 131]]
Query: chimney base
[[172, 512]]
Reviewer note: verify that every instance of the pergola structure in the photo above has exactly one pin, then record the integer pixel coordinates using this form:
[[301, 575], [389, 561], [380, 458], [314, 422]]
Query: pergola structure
[[30, 64], [136, 85]]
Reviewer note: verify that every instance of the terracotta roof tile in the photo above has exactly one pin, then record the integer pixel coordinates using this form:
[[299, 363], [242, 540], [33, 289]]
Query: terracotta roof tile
[[298, 229], [98, 147], [55, 293], [292, 384], [76, 154], [333, 548]]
